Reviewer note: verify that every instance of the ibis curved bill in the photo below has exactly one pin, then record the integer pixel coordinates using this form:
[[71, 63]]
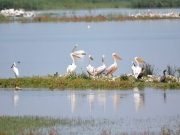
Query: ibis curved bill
[[112, 68]]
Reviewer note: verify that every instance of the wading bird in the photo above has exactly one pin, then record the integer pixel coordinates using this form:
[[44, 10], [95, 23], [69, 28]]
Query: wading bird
[[72, 68], [163, 78], [15, 69], [101, 69], [141, 74], [79, 53], [137, 69], [112, 68], [90, 69]]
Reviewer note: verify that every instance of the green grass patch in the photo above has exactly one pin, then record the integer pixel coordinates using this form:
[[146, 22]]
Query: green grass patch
[[82, 81]]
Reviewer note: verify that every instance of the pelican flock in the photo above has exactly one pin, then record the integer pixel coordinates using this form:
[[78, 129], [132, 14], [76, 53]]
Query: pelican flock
[[137, 70]]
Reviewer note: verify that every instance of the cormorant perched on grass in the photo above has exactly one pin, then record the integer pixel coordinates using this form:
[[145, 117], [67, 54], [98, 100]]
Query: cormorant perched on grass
[[163, 78], [141, 73]]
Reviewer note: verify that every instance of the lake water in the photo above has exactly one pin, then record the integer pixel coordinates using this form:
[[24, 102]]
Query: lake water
[[44, 48], [85, 103], [130, 110]]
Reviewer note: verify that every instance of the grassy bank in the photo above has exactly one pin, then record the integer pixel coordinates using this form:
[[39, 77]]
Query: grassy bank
[[82, 81], [36, 125], [62, 4]]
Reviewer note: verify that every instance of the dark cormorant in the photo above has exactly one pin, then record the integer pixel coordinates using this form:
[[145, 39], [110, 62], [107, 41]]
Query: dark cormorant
[[141, 73], [163, 78]]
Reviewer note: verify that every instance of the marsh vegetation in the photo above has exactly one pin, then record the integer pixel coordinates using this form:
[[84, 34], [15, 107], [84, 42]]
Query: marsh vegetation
[[86, 4], [35, 125]]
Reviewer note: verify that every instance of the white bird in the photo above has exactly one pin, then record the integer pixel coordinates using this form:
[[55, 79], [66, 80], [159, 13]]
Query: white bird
[[112, 68], [101, 69], [90, 69], [137, 69], [17, 88], [15, 69], [72, 68], [79, 53]]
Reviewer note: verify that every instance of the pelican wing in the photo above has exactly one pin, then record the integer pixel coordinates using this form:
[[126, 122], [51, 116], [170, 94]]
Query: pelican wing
[[137, 71], [71, 68], [100, 70], [80, 53], [90, 70], [109, 69]]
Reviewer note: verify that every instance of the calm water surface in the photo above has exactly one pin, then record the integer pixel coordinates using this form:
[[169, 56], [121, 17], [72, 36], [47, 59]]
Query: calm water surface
[[96, 103], [44, 48], [117, 111]]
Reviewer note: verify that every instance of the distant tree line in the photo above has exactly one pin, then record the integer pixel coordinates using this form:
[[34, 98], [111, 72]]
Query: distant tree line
[[47, 4], [154, 3]]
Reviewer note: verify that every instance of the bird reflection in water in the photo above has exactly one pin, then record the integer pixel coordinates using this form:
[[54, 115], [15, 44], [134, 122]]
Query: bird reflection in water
[[115, 101], [72, 98], [16, 98], [102, 100], [139, 99], [90, 99], [164, 95]]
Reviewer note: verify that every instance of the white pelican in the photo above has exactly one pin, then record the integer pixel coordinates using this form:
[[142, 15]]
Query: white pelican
[[101, 69], [137, 69], [90, 69], [71, 68], [15, 69], [112, 68], [79, 53]]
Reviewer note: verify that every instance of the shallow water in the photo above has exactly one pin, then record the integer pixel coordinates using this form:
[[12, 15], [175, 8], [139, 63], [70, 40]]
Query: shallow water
[[111, 111], [96, 103]]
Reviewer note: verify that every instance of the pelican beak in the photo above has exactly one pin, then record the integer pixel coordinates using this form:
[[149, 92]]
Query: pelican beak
[[116, 56], [140, 60], [75, 56], [12, 66], [91, 58]]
